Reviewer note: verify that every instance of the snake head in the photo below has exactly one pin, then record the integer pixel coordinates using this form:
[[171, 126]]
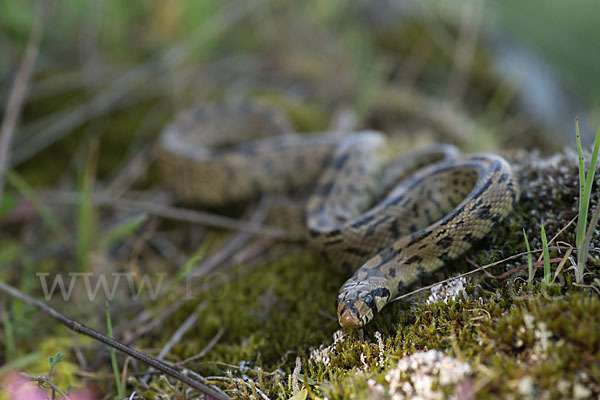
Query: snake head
[[358, 303]]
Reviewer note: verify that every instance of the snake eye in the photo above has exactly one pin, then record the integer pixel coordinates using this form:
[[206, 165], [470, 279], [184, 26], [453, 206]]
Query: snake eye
[[369, 300]]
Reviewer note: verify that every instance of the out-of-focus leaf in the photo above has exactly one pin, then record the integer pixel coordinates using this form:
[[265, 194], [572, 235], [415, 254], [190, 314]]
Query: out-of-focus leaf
[[123, 229]]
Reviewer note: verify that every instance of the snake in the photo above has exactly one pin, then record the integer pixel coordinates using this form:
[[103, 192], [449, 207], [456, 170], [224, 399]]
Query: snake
[[386, 219]]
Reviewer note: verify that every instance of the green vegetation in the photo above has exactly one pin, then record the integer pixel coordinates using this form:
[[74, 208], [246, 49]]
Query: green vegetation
[[585, 190], [546, 253], [529, 260], [55, 359], [573, 20], [113, 356]]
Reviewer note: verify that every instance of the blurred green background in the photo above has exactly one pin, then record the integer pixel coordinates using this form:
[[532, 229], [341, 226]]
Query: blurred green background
[[485, 75], [89, 44]]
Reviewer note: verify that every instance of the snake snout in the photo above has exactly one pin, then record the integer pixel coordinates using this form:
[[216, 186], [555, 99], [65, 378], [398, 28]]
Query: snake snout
[[354, 312], [348, 319]]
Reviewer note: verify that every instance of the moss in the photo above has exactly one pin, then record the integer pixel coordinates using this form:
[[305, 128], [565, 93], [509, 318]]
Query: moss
[[547, 339], [514, 339]]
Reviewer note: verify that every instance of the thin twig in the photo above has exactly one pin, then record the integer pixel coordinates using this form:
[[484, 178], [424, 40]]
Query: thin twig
[[464, 50], [207, 267], [125, 371], [176, 337], [206, 349], [80, 328], [253, 387], [238, 241], [51, 129], [78, 354], [414, 62], [63, 82], [147, 326], [134, 168], [588, 287], [590, 231], [482, 268], [436, 30], [42, 380], [558, 233], [512, 271], [121, 89], [562, 263], [14, 106], [144, 327], [176, 213], [89, 34], [140, 153]]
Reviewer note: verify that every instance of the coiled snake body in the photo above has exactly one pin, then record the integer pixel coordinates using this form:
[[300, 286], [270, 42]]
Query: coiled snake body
[[430, 212]]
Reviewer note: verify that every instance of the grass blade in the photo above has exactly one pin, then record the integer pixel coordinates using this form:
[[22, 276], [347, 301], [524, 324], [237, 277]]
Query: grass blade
[[193, 261], [113, 356], [547, 273], [9, 252], [583, 237], [9, 337], [581, 222], [86, 220], [586, 242], [25, 190], [123, 229], [589, 180], [19, 363], [529, 260]]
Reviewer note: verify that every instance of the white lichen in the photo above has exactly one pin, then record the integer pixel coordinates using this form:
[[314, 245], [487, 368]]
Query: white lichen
[[376, 390], [447, 291], [322, 354], [581, 392], [542, 336], [414, 376], [526, 386], [381, 355]]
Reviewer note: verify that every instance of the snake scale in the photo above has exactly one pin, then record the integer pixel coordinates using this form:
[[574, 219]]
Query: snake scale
[[389, 220]]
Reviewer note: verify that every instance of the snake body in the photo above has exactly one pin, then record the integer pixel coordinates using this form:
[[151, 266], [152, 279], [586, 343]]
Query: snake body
[[436, 203]]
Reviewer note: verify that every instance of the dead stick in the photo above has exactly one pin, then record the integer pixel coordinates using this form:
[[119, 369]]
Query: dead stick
[[14, 105], [175, 213], [121, 89], [80, 328], [482, 268]]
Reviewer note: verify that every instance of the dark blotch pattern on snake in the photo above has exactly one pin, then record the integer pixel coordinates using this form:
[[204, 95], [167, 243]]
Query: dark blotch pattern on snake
[[389, 220]]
